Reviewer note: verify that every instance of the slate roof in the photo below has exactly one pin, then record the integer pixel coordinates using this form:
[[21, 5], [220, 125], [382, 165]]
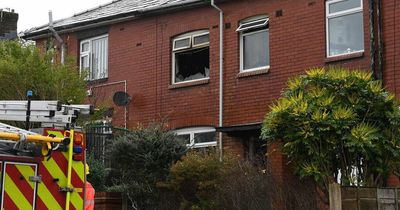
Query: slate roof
[[114, 9]]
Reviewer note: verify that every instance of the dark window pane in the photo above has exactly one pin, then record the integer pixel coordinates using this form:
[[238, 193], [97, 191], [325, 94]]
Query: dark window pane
[[202, 39], [184, 138], [204, 137], [192, 64], [183, 43]]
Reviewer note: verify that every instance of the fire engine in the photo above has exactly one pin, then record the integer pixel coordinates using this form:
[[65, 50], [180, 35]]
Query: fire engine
[[47, 170]]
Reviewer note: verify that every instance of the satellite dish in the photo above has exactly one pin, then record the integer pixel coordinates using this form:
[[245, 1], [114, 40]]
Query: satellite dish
[[121, 98]]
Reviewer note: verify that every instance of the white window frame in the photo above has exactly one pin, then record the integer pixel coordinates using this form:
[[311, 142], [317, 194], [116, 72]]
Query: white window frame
[[190, 35], [329, 15], [183, 38], [264, 21], [197, 130], [88, 53]]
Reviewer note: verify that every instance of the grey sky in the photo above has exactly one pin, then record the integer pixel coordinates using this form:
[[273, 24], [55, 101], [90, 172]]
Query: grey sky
[[35, 12]]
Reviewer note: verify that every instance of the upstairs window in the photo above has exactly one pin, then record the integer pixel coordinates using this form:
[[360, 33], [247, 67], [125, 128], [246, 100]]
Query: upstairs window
[[191, 57], [94, 57], [197, 137], [344, 21], [254, 43]]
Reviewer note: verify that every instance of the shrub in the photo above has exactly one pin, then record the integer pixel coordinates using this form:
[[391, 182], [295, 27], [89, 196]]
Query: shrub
[[195, 179], [337, 124], [201, 181], [142, 158], [98, 174]]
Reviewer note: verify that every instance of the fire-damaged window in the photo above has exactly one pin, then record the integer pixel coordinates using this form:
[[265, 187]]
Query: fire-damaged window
[[191, 57]]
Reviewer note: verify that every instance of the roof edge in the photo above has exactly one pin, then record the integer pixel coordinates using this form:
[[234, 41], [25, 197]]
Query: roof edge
[[114, 19]]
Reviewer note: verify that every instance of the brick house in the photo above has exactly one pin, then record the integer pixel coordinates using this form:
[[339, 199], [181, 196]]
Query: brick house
[[166, 55]]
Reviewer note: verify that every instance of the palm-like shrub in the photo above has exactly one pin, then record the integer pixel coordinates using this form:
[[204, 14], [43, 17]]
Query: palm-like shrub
[[337, 125]]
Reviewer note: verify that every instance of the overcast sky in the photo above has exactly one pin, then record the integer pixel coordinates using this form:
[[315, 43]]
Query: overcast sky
[[36, 12]]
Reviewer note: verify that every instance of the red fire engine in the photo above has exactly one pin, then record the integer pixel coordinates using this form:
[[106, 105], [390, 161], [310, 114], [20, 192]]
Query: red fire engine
[[42, 171]]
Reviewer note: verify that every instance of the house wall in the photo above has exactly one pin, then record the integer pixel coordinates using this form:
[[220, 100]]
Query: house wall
[[140, 53]]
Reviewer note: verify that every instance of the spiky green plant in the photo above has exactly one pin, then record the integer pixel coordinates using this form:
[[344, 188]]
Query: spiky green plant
[[337, 125]]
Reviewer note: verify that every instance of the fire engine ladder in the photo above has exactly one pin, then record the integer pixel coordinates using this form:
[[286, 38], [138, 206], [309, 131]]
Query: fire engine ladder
[[52, 112]]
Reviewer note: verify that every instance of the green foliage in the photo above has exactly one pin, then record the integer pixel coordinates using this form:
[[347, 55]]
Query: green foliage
[[195, 179], [141, 159], [201, 181], [98, 174], [337, 120], [23, 67]]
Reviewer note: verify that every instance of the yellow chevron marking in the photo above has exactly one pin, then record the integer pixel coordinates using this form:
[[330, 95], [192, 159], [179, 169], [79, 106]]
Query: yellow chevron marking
[[77, 166], [26, 170], [76, 200], [55, 171], [15, 194], [47, 197], [42, 190]]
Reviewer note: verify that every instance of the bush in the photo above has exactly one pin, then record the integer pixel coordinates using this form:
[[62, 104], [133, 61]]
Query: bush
[[195, 179], [98, 173], [201, 181], [246, 187], [142, 158], [337, 124]]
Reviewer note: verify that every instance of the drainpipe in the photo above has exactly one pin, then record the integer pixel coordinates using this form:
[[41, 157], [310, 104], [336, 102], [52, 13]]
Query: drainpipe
[[372, 38], [221, 74], [55, 34], [380, 40]]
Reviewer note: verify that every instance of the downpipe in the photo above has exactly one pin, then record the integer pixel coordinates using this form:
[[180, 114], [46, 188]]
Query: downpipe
[[221, 75]]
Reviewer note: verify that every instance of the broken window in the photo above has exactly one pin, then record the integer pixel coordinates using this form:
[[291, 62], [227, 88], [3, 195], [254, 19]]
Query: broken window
[[191, 57]]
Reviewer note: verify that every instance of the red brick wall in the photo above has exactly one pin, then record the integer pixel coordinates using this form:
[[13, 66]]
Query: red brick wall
[[297, 42], [391, 32], [140, 53]]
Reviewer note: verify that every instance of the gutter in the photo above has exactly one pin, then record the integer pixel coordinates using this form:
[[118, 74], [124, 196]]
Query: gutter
[[221, 74], [113, 19]]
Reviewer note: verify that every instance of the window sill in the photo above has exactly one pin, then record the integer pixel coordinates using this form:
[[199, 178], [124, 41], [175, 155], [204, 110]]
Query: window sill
[[252, 73], [202, 145], [96, 81], [189, 84], [344, 57]]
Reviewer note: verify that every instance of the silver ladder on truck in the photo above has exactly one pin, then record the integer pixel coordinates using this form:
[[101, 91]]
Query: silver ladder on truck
[[42, 111]]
